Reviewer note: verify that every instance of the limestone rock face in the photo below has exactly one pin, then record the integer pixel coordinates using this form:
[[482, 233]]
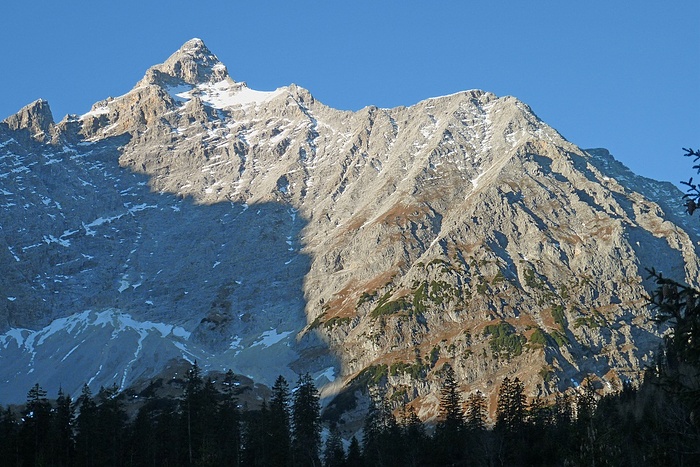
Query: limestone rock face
[[35, 118], [269, 233], [193, 63]]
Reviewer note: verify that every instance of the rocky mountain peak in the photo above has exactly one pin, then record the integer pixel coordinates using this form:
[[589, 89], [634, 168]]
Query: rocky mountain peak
[[265, 232], [195, 46], [35, 117], [193, 64]]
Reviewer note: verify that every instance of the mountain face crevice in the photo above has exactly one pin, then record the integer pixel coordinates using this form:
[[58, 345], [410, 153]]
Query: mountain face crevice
[[276, 235]]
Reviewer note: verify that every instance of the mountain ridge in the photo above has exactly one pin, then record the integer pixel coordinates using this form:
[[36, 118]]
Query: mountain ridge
[[397, 231]]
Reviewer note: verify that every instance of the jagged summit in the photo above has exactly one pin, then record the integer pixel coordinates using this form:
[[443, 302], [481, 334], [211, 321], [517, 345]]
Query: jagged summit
[[195, 46], [35, 117], [193, 64], [192, 79]]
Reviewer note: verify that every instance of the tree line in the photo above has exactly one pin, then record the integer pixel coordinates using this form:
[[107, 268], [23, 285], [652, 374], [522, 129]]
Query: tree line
[[655, 424], [203, 426]]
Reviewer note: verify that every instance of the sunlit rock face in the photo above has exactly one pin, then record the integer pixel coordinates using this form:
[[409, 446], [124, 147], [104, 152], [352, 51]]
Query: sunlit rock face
[[265, 232]]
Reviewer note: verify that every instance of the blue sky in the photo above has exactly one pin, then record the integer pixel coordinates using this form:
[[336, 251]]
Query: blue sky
[[624, 75]]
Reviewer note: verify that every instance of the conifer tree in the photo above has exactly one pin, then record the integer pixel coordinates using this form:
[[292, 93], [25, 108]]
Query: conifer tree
[[414, 438], [382, 436], [585, 403], [511, 408], [450, 429], [86, 424], [476, 412], [255, 437], [678, 306], [206, 423], [9, 428], [354, 457], [371, 434], [561, 411], [477, 437], [451, 410], [306, 423], [333, 453], [392, 450], [190, 409], [229, 420], [35, 427], [678, 370], [62, 430], [143, 443], [540, 431], [165, 424], [539, 415], [280, 430], [110, 427]]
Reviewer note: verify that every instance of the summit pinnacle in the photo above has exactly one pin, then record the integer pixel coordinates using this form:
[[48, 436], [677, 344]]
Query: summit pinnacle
[[192, 64], [35, 117]]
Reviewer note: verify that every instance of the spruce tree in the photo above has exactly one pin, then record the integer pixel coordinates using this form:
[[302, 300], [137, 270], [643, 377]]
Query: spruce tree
[[86, 424], [143, 443], [382, 438], [190, 409], [677, 305], [371, 434], [9, 428], [354, 457], [256, 449], [510, 421], [392, 450], [280, 428], [511, 408], [169, 439], [591, 447], [63, 447], [451, 411], [450, 429], [333, 453], [540, 431], [36, 426], [229, 421], [155, 434], [477, 436], [306, 423], [206, 424], [414, 438], [585, 403], [110, 427], [476, 412]]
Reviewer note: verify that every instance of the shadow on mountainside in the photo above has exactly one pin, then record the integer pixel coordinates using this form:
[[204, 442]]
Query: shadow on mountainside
[[81, 233]]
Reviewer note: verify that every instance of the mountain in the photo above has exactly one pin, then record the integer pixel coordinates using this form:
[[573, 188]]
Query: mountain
[[195, 218]]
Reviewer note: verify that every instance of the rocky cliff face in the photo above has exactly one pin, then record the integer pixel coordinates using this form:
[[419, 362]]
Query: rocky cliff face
[[264, 231]]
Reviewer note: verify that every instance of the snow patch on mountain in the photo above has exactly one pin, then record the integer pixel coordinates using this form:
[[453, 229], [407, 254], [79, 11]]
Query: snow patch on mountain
[[85, 343], [271, 337], [223, 94]]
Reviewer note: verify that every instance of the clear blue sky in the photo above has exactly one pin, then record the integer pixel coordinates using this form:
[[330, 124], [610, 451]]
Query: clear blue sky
[[624, 75]]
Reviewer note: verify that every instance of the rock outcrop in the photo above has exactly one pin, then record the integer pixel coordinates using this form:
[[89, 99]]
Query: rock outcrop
[[35, 119]]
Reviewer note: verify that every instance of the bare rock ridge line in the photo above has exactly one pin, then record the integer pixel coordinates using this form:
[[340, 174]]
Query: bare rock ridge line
[[263, 231]]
